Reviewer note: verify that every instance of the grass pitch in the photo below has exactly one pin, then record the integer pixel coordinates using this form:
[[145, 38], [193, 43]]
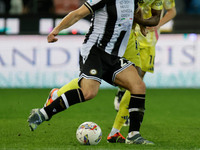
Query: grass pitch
[[172, 121]]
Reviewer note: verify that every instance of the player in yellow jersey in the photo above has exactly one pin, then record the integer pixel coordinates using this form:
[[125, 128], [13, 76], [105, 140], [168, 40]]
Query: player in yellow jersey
[[143, 58]]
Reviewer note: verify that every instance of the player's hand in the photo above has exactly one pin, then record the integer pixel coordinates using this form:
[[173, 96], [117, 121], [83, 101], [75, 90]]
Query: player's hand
[[152, 29], [143, 30], [52, 37]]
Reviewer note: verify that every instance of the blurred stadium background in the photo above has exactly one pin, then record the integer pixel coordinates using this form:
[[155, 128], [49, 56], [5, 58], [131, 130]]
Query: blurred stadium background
[[27, 61], [30, 67]]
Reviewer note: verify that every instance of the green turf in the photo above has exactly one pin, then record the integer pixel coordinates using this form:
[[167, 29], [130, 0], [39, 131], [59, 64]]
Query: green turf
[[172, 121]]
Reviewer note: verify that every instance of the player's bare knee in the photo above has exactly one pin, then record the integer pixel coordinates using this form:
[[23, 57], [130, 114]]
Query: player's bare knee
[[89, 94], [139, 88], [143, 86]]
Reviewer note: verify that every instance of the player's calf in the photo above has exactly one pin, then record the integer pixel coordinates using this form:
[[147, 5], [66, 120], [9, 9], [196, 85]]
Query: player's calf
[[63, 102]]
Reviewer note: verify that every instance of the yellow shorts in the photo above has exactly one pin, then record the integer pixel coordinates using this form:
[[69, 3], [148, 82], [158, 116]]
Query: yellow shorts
[[147, 56], [132, 51], [141, 56]]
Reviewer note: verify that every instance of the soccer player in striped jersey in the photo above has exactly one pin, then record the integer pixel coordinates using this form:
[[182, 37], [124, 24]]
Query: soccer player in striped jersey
[[130, 54], [146, 55], [102, 59]]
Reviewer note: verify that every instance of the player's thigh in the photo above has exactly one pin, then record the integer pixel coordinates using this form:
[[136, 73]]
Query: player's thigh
[[90, 73], [130, 80]]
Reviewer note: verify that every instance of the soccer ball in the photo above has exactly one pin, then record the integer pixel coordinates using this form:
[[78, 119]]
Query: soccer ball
[[89, 133]]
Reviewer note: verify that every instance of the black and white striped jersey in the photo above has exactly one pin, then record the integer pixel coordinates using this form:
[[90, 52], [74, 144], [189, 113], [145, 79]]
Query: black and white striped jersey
[[110, 26]]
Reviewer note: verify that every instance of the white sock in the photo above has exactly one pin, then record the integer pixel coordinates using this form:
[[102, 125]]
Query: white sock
[[44, 113], [113, 131], [131, 134]]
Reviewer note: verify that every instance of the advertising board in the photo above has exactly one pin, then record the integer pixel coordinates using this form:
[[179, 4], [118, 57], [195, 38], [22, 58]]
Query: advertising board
[[28, 61]]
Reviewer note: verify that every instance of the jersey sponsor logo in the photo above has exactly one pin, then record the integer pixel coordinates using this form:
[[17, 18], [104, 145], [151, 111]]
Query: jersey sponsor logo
[[126, 10]]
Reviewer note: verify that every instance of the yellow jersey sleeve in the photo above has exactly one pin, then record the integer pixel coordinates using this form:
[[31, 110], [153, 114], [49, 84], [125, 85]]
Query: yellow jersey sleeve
[[147, 5], [168, 4]]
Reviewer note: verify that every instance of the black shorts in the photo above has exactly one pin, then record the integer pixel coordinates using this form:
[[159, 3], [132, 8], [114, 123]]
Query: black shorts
[[100, 65]]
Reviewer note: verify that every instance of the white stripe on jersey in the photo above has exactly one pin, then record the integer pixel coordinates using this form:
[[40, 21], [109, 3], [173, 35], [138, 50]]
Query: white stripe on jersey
[[111, 25]]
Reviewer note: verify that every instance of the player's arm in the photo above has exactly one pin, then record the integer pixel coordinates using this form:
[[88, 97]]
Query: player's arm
[[152, 21], [68, 21], [170, 14], [169, 5]]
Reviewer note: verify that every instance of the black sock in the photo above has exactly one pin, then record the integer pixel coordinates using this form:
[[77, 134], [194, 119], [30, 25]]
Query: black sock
[[136, 111], [64, 101]]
